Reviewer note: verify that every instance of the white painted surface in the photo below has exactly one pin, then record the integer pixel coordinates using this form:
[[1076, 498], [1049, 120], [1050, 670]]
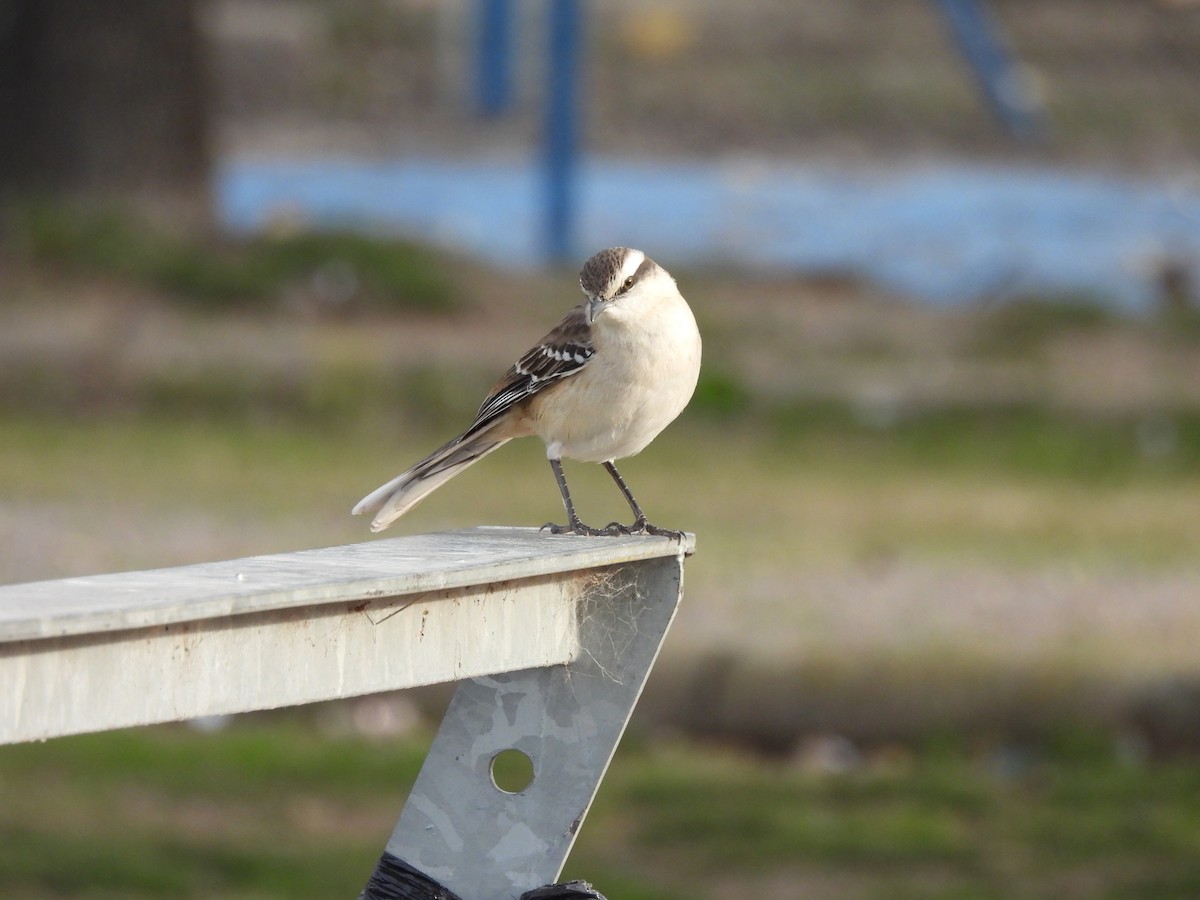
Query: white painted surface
[[87, 654], [403, 565]]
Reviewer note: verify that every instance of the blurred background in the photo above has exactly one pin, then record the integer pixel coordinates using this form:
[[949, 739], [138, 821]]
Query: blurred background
[[939, 638]]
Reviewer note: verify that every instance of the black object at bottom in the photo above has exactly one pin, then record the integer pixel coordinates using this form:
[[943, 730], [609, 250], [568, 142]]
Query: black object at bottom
[[571, 890], [394, 879]]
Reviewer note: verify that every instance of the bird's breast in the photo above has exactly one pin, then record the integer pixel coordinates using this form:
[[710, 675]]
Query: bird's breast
[[639, 380]]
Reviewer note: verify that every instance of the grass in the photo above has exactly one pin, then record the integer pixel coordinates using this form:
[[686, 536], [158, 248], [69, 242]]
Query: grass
[[164, 811], [142, 492], [1024, 440], [1016, 491], [271, 808], [333, 270], [1024, 323]]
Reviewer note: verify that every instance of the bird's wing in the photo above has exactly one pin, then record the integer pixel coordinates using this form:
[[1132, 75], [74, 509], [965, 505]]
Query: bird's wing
[[560, 354]]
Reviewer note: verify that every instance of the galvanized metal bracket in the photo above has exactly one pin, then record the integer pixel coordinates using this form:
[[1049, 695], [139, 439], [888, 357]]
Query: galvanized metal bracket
[[484, 843]]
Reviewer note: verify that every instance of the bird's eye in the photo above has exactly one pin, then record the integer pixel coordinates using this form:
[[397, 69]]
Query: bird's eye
[[628, 283]]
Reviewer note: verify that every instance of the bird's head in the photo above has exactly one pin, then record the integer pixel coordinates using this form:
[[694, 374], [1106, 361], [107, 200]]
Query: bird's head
[[620, 276]]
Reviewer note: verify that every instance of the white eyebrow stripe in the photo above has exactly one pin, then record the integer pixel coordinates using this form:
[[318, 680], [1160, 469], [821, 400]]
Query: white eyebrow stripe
[[633, 259]]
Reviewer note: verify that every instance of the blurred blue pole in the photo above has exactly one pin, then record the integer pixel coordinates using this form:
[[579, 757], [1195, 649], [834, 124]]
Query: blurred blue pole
[[493, 62], [981, 41], [564, 29]]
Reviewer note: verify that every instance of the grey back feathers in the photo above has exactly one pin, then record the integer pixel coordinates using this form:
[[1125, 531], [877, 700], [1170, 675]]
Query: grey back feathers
[[562, 352]]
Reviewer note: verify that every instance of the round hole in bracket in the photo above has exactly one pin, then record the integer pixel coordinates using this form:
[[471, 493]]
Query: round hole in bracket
[[512, 771]]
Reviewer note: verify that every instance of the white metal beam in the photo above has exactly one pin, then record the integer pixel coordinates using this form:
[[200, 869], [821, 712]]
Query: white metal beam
[[88, 654]]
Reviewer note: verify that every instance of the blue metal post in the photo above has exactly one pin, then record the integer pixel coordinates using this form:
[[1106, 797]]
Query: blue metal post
[[565, 27], [981, 41], [493, 61]]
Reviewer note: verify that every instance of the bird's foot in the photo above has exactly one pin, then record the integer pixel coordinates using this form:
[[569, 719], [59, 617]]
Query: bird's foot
[[613, 529], [641, 526], [578, 527]]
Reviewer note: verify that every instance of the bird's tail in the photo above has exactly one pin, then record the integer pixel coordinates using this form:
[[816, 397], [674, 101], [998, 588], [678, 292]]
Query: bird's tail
[[406, 490]]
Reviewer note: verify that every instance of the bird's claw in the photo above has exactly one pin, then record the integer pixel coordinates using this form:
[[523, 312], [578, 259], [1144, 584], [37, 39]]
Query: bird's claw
[[641, 526], [576, 528], [613, 529]]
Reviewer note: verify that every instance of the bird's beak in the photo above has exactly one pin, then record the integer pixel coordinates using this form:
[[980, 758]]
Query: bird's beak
[[594, 306]]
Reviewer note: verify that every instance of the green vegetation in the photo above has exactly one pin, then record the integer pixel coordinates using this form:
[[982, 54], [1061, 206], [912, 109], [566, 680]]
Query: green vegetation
[[1024, 440], [335, 269], [959, 490], [272, 808], [169, 812], [1024, 323], [1017, 439], [721, 395]]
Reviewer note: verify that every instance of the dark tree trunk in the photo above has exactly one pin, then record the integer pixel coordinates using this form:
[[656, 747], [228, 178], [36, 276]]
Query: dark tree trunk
[[105, 99]]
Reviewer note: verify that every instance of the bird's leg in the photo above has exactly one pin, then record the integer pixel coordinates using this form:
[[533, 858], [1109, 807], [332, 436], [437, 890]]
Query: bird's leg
[[573, 526], [640, 525]]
